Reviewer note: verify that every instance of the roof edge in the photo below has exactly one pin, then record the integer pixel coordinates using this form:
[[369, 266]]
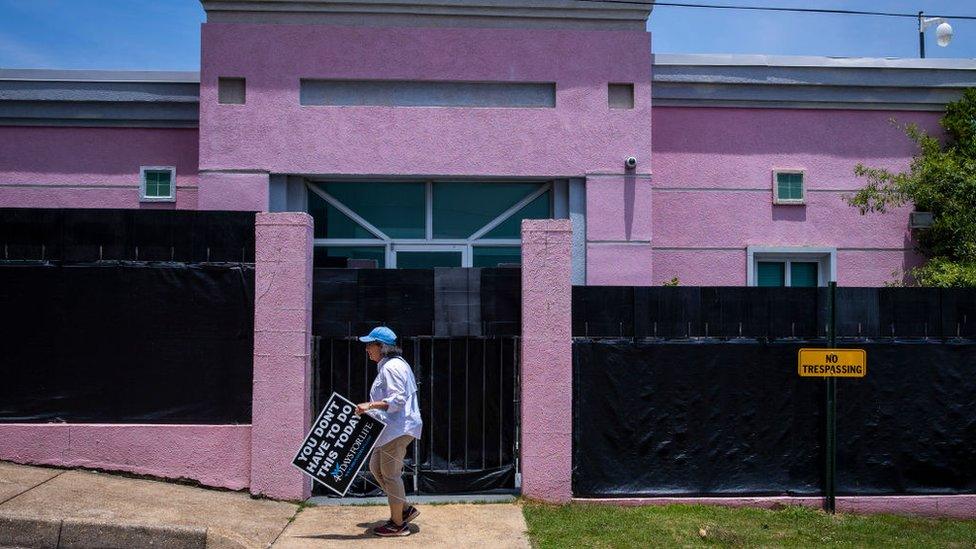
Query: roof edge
[[758, 60], [578, 14], [96, 75]]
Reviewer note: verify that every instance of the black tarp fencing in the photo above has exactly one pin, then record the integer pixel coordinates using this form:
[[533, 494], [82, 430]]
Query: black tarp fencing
[[729, 416], [458, 329], [417, 302], [909, 426], [84, 235], [725, 312], [126, 342], [693, 418]]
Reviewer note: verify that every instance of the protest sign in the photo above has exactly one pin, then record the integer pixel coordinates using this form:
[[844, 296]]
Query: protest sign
[[338, 444]]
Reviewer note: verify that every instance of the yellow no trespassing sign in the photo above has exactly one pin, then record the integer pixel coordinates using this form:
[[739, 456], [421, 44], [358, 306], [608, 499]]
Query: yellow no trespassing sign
[[832, 363]]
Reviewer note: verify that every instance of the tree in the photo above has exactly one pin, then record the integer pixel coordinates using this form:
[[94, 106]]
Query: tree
[[941, 180]]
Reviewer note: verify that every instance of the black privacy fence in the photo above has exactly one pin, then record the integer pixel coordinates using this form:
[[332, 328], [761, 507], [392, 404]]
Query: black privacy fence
[[728, 312], [417, 302], [126, 342], [83, 235], [459, 331], [728, 415], [468, 399]]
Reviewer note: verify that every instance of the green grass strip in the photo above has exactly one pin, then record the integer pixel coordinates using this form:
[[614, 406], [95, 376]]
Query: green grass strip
[[591, 525]]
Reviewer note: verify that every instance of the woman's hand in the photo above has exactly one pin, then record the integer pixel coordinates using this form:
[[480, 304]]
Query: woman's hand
[[363, 408]]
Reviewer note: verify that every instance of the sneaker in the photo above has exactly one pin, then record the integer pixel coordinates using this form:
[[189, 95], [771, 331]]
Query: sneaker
[[410, 513], [390, 529]]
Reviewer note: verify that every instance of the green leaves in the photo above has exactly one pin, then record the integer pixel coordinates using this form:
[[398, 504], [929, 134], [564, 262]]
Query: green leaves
[[941, 179]]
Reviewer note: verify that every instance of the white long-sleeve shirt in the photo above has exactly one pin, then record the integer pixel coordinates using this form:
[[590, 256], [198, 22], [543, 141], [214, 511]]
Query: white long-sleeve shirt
[[396, 386]]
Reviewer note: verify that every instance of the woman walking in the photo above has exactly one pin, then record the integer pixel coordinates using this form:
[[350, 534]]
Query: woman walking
[[393, 400]]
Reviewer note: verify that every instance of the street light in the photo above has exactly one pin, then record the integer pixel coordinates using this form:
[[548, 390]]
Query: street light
[[943, 33]]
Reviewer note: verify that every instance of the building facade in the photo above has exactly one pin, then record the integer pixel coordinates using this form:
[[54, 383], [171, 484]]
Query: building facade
[[421, 135]]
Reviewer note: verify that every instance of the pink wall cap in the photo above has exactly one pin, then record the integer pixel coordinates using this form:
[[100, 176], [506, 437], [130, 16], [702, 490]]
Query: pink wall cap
[[283, 218], [547, 225]]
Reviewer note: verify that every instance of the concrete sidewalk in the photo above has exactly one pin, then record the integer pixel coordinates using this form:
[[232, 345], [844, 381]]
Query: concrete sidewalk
[[47, 507]]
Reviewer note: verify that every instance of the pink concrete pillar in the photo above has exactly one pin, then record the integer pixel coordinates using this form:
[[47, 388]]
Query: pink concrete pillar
[[547, 363], [281, 408]]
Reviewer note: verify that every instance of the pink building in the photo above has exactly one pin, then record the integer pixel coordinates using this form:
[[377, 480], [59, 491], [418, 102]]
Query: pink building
[[422, 134], [467, 116]]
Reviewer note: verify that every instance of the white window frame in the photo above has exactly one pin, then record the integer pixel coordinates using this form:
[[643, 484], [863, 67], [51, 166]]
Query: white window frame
[[826, 258], [429, 244], [142, 183], [803, 187]]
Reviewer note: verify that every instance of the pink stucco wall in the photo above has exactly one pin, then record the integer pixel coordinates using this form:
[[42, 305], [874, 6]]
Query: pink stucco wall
[[711, 196], [547, 364], [214, 455], [273, 132], [281, 408], [73, 167], [256, 456], [621, 206], [234, 191]]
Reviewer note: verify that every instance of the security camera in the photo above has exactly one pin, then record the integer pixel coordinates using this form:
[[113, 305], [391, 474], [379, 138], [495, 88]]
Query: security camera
[[631, 162]]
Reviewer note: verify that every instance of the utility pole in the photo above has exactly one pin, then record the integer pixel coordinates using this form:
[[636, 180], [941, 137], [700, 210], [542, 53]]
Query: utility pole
[[921, 35]]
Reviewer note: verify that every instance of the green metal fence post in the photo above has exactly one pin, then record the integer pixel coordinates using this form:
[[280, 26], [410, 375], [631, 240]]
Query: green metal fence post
[[831, 443]]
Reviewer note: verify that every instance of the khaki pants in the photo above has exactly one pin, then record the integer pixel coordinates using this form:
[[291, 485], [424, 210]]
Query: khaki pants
[[386, 464]]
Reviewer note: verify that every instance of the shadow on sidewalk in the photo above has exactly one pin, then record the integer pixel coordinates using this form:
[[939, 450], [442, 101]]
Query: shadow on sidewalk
[[367, 534]]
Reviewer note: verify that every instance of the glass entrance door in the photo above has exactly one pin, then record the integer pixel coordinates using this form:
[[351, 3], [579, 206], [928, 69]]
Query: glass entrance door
[[428, 256]]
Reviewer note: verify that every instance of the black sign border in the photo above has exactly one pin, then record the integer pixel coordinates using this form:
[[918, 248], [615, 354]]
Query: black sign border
[[335, 395]]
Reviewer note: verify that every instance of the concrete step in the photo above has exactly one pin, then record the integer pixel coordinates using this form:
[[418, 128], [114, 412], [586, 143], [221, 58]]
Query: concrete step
[[19, 530]]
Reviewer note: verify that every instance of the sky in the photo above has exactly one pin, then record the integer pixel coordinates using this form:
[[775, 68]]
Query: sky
[[165, 34]]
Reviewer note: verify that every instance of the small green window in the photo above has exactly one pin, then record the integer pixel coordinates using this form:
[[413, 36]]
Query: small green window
[[158, 184], [771, 274], [789, 187], [803, 274]]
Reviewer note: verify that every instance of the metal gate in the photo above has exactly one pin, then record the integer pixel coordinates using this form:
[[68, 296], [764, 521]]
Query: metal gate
[[469, 403]]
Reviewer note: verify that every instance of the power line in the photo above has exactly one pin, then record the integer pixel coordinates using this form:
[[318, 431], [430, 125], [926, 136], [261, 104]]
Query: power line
[[779, 9]]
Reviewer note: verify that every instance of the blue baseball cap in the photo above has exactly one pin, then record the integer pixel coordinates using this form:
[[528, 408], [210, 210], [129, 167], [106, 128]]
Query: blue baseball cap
[[381, 334]]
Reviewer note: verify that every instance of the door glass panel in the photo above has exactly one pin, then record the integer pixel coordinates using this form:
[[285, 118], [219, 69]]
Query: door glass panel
[[331, 223], [771, 274], [512, 227], [491, 256], [460, 209], [336, 256], [397, 209], [427, 260], [803, 274]]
